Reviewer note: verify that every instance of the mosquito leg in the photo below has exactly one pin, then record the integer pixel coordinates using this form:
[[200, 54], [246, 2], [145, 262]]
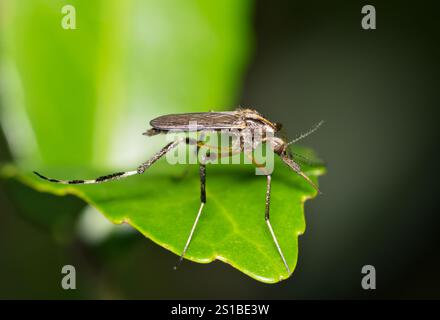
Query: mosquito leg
[[157, 156], [202, 171], [266, 217], [118, 175]]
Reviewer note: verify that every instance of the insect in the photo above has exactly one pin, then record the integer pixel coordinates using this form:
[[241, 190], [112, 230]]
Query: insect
[[239, 120]]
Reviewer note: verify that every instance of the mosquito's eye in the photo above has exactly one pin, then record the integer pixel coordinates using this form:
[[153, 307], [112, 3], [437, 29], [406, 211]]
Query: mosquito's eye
[[278, 126]]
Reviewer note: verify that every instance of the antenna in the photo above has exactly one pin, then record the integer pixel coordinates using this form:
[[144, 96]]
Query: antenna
[[303, 135]]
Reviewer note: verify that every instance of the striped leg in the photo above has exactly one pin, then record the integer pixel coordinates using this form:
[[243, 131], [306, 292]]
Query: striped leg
[[119, 175], [202, 172], [270, 226]]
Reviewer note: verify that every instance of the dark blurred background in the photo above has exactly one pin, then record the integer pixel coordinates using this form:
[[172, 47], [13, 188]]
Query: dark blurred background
[[377, 90]]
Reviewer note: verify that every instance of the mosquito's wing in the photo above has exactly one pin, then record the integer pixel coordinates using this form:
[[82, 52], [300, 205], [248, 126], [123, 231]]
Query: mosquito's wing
[[203, 120]]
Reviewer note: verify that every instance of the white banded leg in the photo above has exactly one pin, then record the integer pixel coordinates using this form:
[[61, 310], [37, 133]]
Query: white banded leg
[[119, 175], [267, 218], [202, 172]]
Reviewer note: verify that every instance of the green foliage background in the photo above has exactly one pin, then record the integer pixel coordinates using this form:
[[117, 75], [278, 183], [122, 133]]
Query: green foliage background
[[79, 94]]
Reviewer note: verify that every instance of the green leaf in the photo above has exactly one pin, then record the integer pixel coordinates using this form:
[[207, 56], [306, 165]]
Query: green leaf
[[162, 204]]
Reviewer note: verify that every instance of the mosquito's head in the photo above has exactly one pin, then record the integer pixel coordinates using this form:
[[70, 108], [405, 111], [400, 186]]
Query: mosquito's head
[[279, 145]]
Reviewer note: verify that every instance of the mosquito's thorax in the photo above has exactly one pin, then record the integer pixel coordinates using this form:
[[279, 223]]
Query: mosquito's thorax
[[267, 129], [255, 120]]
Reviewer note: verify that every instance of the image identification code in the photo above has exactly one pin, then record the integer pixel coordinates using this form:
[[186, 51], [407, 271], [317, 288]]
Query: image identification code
[[221, 309]]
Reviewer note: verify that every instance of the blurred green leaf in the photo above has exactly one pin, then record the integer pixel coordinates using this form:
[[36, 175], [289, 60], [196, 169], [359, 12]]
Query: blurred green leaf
[[162, 205], [56, 217], [82, 97]]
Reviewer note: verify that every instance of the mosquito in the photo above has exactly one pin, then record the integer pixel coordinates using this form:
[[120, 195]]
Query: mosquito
[[239, 120]]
